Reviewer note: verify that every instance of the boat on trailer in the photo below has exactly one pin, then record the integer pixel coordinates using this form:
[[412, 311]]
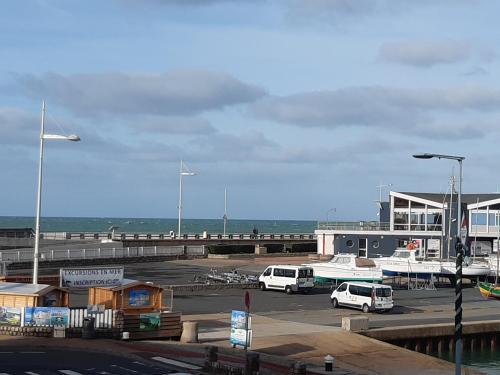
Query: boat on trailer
[[403, 262], [346, 267]]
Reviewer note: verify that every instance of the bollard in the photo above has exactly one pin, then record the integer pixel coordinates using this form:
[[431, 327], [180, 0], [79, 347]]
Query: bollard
[[299, 368], [329, 363], [189, 332], [252, 363], [211, 357]]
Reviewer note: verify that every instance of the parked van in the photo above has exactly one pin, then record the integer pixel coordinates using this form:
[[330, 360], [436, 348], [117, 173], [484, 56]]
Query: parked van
[[288, 278], [364, 296]]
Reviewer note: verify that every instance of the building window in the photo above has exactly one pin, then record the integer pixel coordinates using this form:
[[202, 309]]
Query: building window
[[375, 244], [349, 243]]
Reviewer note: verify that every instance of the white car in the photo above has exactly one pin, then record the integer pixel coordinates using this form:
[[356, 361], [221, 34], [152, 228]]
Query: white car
[[288, 278], [365, 296]]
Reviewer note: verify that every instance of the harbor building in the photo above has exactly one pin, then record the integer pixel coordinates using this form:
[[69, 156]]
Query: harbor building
[[425, 222]]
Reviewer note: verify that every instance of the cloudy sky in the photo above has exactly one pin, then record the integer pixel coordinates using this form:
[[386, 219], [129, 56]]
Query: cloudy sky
[[296, 107]]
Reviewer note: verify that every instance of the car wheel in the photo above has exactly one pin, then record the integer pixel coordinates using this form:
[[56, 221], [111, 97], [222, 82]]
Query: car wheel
[[262, 286], [288, 289], [335, 303], [366, 308]]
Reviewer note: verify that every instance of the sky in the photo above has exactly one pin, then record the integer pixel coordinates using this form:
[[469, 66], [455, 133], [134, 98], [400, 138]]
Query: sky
[[299, 108]]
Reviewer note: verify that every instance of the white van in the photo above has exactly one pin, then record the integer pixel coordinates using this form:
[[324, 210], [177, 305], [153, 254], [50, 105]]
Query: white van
[[288, 278], [364, 296]]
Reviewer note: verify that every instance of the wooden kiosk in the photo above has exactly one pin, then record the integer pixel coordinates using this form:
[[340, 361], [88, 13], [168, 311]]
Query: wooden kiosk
[[32, 295], [141, 309], [132, 297]]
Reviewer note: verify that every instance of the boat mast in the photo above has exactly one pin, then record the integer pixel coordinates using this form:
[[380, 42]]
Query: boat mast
[[475, 232], [452, 188], [497, 215]]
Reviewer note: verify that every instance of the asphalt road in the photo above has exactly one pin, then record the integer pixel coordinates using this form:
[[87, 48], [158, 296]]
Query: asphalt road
[[28, 361]]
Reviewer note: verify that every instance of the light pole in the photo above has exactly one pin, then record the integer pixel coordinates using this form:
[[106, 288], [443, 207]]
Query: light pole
[[460, 254], [224, 217], [328, 214], [182, 172], [43, 136]]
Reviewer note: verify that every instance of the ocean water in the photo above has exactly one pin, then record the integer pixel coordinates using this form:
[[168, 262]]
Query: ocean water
[[149, 225], [486, 361]]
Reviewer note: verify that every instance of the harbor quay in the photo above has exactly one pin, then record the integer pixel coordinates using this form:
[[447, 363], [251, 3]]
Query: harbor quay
[[306, 328]]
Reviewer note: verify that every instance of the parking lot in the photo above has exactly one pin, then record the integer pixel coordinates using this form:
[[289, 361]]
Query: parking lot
[[411, 306]]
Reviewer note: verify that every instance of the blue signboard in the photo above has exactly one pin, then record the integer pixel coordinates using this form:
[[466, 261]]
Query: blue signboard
[[138, 297], [46, 316], [239, 330]]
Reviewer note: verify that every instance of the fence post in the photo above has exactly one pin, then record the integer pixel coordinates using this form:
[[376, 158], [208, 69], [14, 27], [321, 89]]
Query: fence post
[[69, 257], [99, 252], [128, 251], [155, 251], [18, 256], [142, 250], [52, 254], [114, 252]]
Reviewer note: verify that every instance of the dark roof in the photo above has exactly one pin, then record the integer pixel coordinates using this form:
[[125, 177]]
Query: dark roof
[[466, 198]]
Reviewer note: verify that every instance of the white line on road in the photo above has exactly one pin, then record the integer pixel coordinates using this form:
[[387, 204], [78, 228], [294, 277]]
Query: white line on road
[[3, 373], [31, 373], [70, 372], [32, 352], [177, 363], [126, 369]]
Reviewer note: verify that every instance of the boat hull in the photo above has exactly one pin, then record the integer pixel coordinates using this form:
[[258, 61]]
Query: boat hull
[[489, 290], [328, 274]]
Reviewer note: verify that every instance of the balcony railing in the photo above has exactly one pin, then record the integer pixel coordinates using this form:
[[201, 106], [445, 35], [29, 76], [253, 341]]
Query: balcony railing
[[354, 226]]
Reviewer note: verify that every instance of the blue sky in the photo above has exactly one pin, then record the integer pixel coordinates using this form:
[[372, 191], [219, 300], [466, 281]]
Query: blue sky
[[295, 106]]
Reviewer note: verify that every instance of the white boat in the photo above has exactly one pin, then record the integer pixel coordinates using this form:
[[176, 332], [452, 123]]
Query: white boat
[[475, 269], [344, 267], [405, 263]]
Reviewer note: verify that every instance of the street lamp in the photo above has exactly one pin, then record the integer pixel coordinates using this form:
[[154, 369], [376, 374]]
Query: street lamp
[[460, 253], [328, 212], [182, 172], [43, 136]]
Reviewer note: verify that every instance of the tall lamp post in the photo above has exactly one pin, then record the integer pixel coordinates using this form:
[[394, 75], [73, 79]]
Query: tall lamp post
[[182, 172], [460, 254], [328, 214], [43, 137]]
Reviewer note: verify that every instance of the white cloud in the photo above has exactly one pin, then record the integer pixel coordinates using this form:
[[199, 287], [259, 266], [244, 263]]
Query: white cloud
[[425, 53], [180, 92], [403, 110]]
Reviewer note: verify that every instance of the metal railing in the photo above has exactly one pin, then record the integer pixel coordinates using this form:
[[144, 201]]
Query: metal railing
[[354, 226], [48, 255], [165, 236]]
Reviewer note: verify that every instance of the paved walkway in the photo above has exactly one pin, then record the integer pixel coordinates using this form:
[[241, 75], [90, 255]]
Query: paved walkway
[[312, 342]]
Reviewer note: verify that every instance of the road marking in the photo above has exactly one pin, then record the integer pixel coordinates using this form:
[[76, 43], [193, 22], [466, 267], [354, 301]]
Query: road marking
[[3, 373], [31, 373], [124, 368], [139, 363], [69, 372], [32, 352], [176, 363]]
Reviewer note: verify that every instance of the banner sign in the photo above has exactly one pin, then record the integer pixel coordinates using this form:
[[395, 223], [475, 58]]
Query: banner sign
[[138, 297], [91, 277], [95, 309], [10, 316], [149, 322], [46, 316], [240, 333]]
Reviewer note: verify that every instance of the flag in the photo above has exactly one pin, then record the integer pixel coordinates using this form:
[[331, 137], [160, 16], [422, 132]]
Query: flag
[[463, 228]]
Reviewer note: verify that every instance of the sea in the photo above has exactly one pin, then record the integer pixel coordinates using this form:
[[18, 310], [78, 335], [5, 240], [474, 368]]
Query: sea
[[485, 361], [151, 225]]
